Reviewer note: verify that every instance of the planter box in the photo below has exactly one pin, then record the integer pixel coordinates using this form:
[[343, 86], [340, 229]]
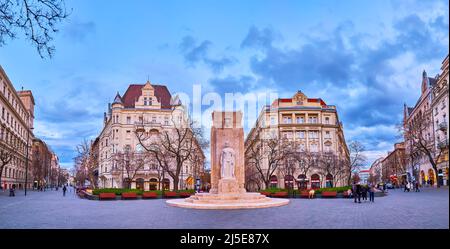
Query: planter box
[[280, 195], [128, 196], [170, 194], [107, 196], [266, 194], [185, 194], [329, 194], [149, 195]]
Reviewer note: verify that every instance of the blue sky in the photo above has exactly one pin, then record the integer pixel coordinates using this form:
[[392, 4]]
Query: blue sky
[[365, 57]]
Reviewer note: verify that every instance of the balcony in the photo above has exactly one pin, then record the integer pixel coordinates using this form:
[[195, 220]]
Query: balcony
[[443, 126]]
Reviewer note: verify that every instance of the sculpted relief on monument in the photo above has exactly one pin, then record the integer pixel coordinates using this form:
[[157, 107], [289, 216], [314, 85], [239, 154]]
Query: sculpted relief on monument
[[227, 162]]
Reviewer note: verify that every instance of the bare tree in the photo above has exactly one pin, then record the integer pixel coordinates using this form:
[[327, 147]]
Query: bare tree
[[421, 142], [271, 150], [37, 19], [331, 165], [129, 163], [6, 155], [173, 148], [86, 164], [357, 159]]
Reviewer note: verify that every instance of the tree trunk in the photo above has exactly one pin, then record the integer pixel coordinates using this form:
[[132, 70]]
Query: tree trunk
[[175, 183]]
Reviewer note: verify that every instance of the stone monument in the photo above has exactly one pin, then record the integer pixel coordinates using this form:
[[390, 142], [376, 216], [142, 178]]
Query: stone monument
[[227, 170]]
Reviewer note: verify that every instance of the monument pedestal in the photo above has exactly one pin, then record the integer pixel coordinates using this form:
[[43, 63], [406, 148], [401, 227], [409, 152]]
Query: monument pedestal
[[228, 201], [227, 186]]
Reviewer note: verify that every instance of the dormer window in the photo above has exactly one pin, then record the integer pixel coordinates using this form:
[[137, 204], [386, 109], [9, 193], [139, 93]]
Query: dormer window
[[150, 101], [145, 100]]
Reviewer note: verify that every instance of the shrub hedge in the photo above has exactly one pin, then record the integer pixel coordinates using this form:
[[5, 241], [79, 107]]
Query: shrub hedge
[[119, 191], [296, 191]]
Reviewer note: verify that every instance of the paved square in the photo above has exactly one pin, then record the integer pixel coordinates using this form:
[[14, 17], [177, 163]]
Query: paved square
[[427, 209]]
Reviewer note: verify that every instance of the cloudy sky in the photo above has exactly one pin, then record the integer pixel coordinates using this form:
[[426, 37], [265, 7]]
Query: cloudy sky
[[365, 57]]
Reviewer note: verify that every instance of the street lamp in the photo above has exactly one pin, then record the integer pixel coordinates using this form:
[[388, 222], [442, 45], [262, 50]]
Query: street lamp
[[26, 165]]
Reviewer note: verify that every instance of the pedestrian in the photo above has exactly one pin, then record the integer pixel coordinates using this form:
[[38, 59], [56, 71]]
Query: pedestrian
[[372, 193], [417, 186], [12, 191], [357, 192], [406, 187], [64, 190], [384, 187], [364, 192]]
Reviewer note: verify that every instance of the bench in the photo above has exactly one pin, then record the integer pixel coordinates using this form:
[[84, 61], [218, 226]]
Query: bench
[[170, 194], [329, 194], [107, 196], [129, 195], [280, 194], [148, 195], [185, 194]]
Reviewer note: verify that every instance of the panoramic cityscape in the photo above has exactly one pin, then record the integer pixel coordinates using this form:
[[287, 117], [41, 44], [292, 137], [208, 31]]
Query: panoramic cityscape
[[117, 116]]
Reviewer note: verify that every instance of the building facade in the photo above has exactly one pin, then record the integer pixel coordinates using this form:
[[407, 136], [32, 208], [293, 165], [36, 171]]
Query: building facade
[[364, 176], [17, 116], [310, 124], [417, 162], [394, 168], [150, 108], [439, 106], [376, 170]]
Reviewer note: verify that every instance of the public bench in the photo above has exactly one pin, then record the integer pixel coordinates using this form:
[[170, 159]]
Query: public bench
[[107, 196], [149, 195], [329, 194], [129, 195]]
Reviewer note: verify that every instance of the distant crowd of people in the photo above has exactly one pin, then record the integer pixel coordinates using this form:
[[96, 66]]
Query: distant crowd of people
[[358, 192]]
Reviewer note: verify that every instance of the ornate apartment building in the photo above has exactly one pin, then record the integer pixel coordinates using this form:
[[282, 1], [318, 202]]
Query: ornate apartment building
[[415, 162], [17, 116], [433, 106], [439, 106], [152, 109], [312, 125], [394, 165]]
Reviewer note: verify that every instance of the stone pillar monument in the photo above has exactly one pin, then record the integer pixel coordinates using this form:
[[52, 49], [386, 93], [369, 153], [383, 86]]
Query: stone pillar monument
[[227, 158], [227, 170]]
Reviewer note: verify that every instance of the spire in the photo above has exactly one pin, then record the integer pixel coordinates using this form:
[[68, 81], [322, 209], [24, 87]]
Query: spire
[[118, 99], [424, 74]]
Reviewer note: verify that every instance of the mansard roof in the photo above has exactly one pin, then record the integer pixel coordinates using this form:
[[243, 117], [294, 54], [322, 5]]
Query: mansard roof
[[135, 90]]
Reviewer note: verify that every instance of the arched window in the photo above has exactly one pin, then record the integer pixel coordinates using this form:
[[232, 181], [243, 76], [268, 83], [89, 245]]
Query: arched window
[[315, 181], [329, 181], [166, 184], [153, 183], [289, 182], [273, 181], [126, 183], [140, 184], [302, 182], [431, 176]]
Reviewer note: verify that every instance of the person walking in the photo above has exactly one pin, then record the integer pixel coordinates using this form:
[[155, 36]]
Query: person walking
[[417, 186], [364, 192], [64, 190], [372, 193], [357, 192], [406, 187]]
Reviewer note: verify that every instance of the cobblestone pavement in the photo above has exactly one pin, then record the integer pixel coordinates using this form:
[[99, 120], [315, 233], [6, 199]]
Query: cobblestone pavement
[[427, 209]]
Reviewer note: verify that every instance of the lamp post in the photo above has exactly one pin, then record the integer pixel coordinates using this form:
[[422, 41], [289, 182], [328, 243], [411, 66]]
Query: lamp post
[[26, 164]]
